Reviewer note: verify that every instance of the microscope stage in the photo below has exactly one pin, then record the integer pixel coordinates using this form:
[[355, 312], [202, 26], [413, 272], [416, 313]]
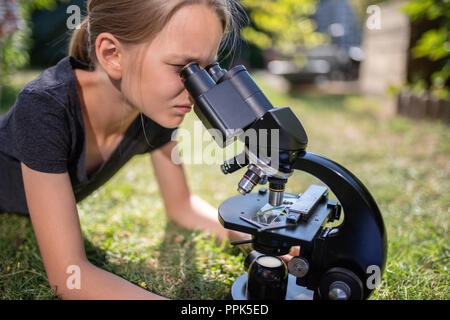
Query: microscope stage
[[242, 213]]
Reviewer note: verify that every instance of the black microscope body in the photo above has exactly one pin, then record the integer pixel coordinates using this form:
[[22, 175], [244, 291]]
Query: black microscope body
[[343, 243]]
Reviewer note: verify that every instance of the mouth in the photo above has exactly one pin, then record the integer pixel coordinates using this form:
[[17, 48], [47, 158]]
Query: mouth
[[183, 109]]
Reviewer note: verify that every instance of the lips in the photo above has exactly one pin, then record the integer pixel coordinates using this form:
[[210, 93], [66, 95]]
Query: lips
[[183, 108]]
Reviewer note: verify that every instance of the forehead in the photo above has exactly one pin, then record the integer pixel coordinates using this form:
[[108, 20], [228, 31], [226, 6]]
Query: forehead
[[193, 31]]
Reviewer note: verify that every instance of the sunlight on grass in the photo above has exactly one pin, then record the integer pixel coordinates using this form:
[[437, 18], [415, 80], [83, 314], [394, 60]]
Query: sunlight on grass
[[405, 164]]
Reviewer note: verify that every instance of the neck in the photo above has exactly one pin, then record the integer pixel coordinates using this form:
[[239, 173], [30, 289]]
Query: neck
[[105, 110]]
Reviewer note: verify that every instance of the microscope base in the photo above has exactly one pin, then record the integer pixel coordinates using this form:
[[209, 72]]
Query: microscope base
[[294, 291]]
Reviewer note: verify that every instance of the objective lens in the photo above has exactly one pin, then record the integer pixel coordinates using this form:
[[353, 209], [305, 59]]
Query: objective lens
[[276, 191], [234, 163], [248, 182]]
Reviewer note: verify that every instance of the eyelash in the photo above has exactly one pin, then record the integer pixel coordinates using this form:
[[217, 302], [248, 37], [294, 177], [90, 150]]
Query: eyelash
[[177, 67]]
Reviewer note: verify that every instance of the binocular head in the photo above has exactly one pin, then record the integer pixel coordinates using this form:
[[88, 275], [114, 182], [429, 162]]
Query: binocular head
[[231, 105], [227, 101]]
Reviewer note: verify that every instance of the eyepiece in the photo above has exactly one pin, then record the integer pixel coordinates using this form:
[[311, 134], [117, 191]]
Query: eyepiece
[[196, 80], [189, 69], [215, 71]]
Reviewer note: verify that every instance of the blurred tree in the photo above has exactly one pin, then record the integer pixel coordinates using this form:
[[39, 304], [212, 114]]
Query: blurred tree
[[283, 25], [52, 30], [14, 46], [430, 45]]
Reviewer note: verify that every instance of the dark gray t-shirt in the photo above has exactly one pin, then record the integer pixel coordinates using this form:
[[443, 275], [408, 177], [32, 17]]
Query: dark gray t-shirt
[[45, 130]]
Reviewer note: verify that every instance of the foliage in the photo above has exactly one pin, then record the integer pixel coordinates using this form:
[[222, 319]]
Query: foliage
[[433, 44], [283, 25], [15, 46]]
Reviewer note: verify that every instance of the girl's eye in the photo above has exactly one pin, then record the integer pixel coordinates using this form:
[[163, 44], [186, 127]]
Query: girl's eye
[[177, 67]]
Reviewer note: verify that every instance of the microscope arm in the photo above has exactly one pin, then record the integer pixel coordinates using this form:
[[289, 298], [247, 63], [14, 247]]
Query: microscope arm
[[361, 241]]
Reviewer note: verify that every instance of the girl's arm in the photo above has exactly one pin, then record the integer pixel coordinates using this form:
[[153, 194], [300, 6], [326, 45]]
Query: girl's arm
[[54, 216], [181, 206], [189, 210]]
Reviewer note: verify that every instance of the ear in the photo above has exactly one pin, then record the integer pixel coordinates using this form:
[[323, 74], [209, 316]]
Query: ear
[[109, 54]]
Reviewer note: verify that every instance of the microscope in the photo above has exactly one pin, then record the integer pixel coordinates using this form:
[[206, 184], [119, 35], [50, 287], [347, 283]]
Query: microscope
[[343, 242]]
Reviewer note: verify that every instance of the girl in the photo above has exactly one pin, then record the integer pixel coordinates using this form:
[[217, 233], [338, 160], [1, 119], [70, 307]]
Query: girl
[[116, 95]]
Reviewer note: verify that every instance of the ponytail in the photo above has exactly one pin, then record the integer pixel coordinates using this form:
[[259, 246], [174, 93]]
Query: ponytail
[[79, 43]]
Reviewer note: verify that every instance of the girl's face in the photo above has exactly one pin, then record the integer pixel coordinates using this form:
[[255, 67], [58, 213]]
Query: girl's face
[[193, 34]]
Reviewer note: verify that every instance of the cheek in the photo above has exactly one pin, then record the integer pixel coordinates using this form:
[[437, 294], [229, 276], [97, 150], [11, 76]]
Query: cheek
[[164, 87], [160, 91]]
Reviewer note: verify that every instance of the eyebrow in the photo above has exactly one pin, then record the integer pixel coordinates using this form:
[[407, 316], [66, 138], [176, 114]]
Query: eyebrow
[[187, 59]]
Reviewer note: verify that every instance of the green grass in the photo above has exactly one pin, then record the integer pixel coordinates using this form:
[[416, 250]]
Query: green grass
[[405, 164]]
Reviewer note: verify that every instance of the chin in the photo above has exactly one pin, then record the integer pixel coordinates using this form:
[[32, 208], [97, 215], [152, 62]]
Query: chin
[[170, 122]]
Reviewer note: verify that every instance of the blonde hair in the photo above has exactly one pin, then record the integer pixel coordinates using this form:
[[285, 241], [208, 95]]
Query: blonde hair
[[137, 21]]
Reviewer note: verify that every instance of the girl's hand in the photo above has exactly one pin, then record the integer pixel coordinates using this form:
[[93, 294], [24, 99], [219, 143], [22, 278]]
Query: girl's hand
[[295, 251]]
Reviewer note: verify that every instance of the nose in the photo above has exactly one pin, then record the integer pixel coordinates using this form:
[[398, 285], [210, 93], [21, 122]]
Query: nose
[[189, 97], [191, 100]]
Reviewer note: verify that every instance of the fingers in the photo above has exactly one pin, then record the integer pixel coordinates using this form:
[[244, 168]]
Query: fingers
[[295, 251], [286, 258], [238, 236]]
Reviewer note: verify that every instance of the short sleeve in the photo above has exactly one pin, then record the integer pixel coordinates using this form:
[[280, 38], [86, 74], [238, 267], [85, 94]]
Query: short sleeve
[[41, 132]]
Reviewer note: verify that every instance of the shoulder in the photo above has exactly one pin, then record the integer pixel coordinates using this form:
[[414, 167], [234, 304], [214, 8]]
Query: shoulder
[[41, 131], [51, 96], [43, 122], [57, 83], [40, 108], [51, 77]]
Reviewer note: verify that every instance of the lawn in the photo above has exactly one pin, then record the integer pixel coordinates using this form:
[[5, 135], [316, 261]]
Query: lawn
[[404, 163]]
